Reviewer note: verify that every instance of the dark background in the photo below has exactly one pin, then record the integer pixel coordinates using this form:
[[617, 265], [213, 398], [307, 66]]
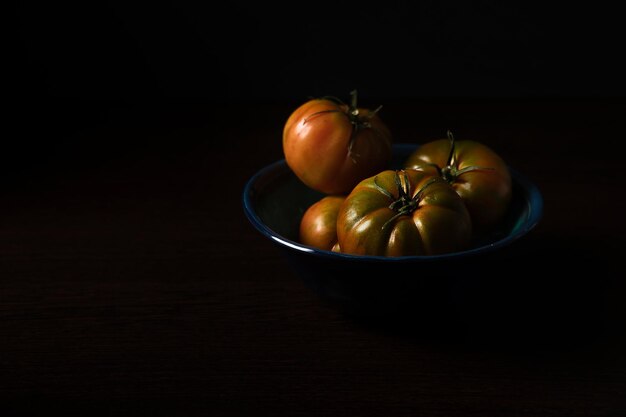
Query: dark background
[[131, 282], [76, 64], [237, 52], [73, 64]]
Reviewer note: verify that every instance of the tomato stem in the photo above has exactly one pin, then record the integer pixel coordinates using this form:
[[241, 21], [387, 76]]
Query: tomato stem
[[405, 204], [353, 100], [357, 120], [451, 154], [450, 172], [381, 189], [317, 113]]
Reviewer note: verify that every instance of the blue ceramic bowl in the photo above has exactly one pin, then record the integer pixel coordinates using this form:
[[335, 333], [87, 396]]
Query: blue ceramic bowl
[[274, 200]]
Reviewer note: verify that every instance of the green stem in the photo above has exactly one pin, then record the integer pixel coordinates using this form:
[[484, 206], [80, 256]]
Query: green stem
[[381, 189], [472, 168], [450, 173], [406, 204], [358, 122], [317, 113], [451, 154], [353, 100]]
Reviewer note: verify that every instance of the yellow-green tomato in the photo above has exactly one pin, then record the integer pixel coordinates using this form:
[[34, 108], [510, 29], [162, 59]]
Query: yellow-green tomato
[[403, 213]]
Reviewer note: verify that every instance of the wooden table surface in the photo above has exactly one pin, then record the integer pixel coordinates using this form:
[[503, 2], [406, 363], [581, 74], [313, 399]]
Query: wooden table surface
[[131, 282]]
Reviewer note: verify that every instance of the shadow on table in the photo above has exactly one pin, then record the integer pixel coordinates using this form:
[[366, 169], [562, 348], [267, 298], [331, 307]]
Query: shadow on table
[[541, 295]]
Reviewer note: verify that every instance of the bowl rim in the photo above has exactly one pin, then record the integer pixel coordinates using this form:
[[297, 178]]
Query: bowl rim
[[534, 202]]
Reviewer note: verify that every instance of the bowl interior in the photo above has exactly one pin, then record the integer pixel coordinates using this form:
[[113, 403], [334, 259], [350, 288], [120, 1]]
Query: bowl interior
[[275, 201]]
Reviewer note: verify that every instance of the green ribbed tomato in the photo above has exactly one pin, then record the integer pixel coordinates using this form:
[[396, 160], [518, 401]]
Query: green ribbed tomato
[[475, 171], [401, 213]]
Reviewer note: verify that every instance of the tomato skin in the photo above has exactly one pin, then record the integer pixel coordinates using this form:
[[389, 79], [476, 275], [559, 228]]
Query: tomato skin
[[368, 225], [318, 226], [317, 139], [486, 191]]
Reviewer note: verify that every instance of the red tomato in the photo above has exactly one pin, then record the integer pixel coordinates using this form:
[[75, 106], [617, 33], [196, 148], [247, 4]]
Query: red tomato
[[318, 227], [477, 173], [331, 146], [400, 213]]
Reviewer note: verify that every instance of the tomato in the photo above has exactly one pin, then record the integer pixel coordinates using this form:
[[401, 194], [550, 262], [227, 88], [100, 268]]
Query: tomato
[[318, 226], [331, 146], [400, 213], [477, 173]]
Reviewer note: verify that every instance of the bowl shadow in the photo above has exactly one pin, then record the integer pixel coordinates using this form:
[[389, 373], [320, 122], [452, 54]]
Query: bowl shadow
[[528, 296]]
